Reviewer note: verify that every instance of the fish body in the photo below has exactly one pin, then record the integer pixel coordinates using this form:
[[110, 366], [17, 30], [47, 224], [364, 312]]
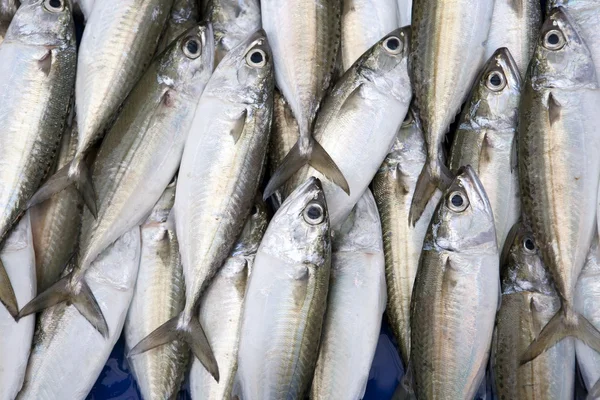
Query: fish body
[[529, 300], [184, 15], [364, 22], [159, 296], [286, 299], [486, 138], [455, 294], [404, 12], [86, 7], [446, 60], [18, 258], [356, 302], [359, 120], [515, 25], [68, 354], [393, 188], [221, 310]]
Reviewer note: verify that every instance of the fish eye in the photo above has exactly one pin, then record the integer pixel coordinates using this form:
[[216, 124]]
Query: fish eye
[[457, 202], [408, 119], [529, 245], [313, 213], [393, 45], [254, 210], [192, 47], [256, 58], [554, 40], [54, 5], [495, 81]]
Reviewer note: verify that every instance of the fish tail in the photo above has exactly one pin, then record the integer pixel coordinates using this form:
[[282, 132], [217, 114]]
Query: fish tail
[[434, 175], [317, 157], [188, 330], [74, 291], [563, 324], [7, 294], [76, 172]]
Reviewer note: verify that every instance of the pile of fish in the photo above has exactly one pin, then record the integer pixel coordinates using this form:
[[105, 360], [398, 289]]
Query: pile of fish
[[242, 188]]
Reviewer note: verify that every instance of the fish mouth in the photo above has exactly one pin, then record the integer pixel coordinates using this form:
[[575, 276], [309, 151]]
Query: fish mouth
[[471, 182], [507, 62]]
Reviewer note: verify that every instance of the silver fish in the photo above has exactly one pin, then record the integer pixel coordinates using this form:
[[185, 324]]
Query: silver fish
[[68, 354], [445, 63], [18, 258], [159, 296], [221, 310], [393, 188], [8, 8], [356, 302], [218, 180], [37, 74], [364, 22], [456, 294], [486, 138], [404, 12], [85, 6], [559, 140], [286, 300], [184, 15], [515, 25], [149, 134], [529, 300], [305, 37], [361, 118]]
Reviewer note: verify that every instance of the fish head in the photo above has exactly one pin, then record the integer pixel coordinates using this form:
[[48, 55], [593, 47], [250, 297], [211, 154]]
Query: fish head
[[561, 58], [43, 23], [254, 229], [495, 97], [464, 220], [164, 205], [521, 265], [408, 150], [188, 62]]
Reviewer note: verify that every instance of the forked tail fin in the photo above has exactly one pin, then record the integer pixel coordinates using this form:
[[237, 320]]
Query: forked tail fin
[[7, 294], [434, 175]]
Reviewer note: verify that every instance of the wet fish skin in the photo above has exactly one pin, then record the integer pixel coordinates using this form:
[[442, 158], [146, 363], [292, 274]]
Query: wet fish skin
[[443, 71], [356, 302], [37, 73], [68, 354], [529, 300], [286, 300], [353, 113], [457, 279], [486, 138], [221, 309], [558, 145], [393, 188], [515, 25], [184, 15], [364, 22], [159, 295], [404, 12]]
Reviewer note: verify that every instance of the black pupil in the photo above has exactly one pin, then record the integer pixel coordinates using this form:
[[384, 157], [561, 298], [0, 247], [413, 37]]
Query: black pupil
[[192, 46], [313, 212], [256, 57], [393, 44], [553, 39], [457, 200], [254, 210], [529, 244], [55, 3], [495, 80]]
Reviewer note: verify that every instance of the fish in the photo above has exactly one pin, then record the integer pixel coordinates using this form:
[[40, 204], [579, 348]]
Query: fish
[[37, 73], [358, 122], [221, 309], [587, 294], [404, 12], [137, 160], [286, 299], [184, 15], [393, 188], [159, 295], [117, 46], [233, 21], [218, 180], [456, 294], [558, 148], [8, 8], [515, 25], [529, 300], [305, 52], [445, 63], [356, 302], [55, 223], [85, 6], [67, 354], [486, 138], [18, 258], [364, 22]]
